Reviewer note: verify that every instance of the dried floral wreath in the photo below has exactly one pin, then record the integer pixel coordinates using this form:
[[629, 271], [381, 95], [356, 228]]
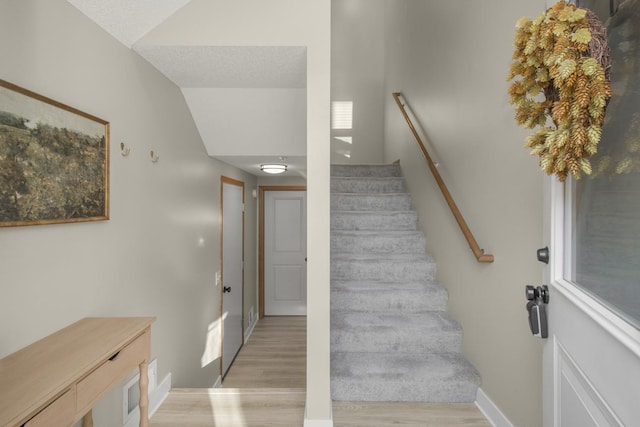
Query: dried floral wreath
[[562, 61]]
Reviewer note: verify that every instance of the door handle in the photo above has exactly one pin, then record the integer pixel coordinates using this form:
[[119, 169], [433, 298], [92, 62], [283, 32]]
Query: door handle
[[537, 300], [226, 289]]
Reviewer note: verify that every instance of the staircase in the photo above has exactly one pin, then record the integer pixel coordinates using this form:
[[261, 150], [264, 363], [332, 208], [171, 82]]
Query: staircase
[[391, 338]]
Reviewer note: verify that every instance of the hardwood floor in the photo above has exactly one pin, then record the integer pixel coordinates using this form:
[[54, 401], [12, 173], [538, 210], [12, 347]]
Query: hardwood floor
[[274, 357], [231, 408], [265, 387]]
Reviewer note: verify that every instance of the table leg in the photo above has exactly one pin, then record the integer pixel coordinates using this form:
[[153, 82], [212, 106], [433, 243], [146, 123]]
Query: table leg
[[144, 394], [87, 420]]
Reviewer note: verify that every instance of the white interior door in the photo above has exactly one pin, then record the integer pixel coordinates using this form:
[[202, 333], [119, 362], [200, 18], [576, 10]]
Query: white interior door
[[285, 247], [232, 282], [592, 355]]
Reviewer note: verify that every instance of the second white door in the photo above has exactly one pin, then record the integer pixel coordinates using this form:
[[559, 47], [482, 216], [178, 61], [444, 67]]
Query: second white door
[[285, 248]]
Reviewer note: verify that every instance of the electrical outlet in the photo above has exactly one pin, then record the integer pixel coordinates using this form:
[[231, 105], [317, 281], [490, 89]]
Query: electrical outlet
[[217, 278]]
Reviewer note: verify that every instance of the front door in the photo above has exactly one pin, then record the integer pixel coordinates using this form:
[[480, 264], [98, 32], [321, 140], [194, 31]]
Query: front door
[[285, 247], [592, 354], [231, 290]]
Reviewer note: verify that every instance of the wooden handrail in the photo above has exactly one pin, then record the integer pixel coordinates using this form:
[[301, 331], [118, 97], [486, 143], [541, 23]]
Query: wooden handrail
[[475, 248]]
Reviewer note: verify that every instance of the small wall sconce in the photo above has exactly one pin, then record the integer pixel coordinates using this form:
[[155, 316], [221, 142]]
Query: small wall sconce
[[124, 150], [154, 157]]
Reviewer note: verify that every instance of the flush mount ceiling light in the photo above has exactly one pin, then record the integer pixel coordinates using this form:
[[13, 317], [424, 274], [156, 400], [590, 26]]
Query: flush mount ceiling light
[[274, 168]]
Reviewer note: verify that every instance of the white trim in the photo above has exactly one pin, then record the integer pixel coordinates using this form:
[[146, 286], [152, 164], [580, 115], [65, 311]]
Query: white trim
[[160, 394], [134, 382], [249, 330], [583, 389], [607, 319], [218, 382], [156, 397], [318, 423], [491, 411]]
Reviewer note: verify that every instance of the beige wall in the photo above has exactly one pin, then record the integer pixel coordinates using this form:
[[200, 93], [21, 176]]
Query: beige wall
[[451, 59], [284, 23], [159, 252], [357, 76]]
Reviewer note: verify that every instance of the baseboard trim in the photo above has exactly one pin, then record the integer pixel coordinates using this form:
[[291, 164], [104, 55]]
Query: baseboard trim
[[249, 330], [491, 411], [160, 394], [156, 397], [318, 423], [218, 382]]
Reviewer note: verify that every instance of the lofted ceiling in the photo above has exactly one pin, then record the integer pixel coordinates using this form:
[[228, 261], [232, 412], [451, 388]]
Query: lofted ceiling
[[204, 72]]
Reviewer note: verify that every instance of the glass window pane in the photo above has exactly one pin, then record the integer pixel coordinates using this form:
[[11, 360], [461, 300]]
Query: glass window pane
[[604, 221]]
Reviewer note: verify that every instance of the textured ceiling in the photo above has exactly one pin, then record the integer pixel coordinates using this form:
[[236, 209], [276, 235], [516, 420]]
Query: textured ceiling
[[128, 20], [230, 66], [254, 67]]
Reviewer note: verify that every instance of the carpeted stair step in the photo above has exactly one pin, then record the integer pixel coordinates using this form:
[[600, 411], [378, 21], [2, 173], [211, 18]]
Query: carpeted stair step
[[421, 332], [391, 338], [370, 202], [383, 268], [408, 377], [367, 185], [357, 220], [381, 297], [377, 242], [366, 171]]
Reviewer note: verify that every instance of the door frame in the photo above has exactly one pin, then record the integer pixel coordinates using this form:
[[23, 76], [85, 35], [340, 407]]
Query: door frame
[[231, 181], [262, 189]]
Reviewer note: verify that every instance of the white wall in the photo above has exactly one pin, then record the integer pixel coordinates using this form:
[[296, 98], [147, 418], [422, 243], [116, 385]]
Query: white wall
[[357, 76], [158, 253], [451, 59]]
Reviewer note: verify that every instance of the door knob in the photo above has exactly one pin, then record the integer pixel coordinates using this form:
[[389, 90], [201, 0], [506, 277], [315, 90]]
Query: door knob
[[226, 289], [539, 293]]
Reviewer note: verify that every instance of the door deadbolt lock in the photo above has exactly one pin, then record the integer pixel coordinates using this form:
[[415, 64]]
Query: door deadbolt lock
[[537, 300], [226, 289], [543, 254]]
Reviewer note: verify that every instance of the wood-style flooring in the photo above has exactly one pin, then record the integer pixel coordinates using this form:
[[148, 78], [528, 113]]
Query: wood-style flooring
[[274, 357], [265, 387]]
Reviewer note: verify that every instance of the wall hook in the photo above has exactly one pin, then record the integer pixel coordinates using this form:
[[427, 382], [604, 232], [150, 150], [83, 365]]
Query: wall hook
[[154, 156], [124, 150]]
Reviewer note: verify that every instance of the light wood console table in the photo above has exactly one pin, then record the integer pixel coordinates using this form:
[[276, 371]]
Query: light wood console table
[[57, 380]]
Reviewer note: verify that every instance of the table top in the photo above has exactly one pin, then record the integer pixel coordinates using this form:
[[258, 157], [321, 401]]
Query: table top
[[34, 376]]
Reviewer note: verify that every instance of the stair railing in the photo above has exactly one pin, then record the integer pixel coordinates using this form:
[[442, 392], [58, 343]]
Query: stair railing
[[480, 255]]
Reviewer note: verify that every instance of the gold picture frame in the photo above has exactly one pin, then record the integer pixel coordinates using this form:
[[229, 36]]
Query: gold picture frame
[[54, 161]]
